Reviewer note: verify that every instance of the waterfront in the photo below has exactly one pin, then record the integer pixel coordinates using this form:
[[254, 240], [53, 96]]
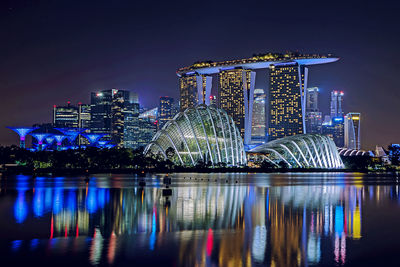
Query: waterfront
[[292, 219]]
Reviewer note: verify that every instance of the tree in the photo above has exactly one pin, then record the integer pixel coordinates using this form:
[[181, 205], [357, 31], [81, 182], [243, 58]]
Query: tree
[[394, 154]]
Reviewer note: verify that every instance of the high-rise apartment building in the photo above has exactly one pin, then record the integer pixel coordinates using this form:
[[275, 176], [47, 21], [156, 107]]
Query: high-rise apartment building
[[352, 130], [313, 115], [194, 89], [286, 100], [65, 116], [236, 96], [166, 110], [258, 123]]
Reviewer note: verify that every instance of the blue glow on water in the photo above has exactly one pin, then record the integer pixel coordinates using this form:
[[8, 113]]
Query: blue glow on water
[[38, 202], [152, 239], [34, 243], [339, 220], [20, 208], [91, 201], [15, 245], [58, 200]]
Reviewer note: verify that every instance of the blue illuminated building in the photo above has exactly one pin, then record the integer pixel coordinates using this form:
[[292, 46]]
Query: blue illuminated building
[[22, 132]]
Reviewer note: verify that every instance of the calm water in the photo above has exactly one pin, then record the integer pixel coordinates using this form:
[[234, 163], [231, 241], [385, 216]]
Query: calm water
[[209, 220]]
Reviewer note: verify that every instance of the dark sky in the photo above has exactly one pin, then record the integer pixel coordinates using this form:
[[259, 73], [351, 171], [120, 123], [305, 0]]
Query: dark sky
[[52, 51]]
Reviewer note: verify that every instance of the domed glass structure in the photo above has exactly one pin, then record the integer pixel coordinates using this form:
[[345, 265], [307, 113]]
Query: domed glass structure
[[301, 151], [201, 134]]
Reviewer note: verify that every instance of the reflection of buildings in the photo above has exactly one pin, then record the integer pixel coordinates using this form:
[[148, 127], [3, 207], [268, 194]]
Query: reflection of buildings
[[210, 224]]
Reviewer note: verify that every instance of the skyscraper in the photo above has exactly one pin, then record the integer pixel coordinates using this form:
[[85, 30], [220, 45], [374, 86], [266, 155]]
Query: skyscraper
[[65, 116], [336, 104], [107, 114], [258, 122], [166, 110], [194, 89], [236, 96], [286, 102], [313, 115], [352, 130]]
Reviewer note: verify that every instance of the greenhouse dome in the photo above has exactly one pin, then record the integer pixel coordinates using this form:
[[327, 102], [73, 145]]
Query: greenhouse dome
[[301, 151], [201, 134]]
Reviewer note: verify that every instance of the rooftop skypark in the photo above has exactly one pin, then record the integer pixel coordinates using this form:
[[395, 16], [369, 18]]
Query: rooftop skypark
[[258, 61]]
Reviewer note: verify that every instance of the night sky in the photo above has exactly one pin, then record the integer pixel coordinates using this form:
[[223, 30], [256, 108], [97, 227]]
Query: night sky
[[52, 51]]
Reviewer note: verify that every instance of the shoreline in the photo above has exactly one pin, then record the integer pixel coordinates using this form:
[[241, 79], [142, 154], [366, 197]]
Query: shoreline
[[143, 172]]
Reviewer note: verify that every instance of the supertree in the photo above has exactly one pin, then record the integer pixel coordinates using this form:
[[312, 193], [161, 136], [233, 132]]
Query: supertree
[[59, 139], [93, 138], [22, 132], [39, 137]]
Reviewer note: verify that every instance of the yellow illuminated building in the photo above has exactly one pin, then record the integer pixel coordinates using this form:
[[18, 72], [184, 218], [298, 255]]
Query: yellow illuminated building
[[194, 89], [233, 96], [285, 101]]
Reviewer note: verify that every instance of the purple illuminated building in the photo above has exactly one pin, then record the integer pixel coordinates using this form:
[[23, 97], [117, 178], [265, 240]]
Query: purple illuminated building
[[22, 132]]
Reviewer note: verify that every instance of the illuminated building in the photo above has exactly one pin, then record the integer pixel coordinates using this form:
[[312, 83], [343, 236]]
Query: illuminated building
[[202, 134], [313, 115], [139, 132], [335, 130], [107, 113], [22, 132], [258, 123], [236, 96], [352, 131], [166, 110], [288, 81], [194, 90], [84, 121], [65, 116], [300, 151], [150, 114], [336, 104], [286, 113]]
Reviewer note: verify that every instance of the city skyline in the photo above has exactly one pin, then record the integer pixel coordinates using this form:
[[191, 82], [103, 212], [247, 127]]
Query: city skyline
[[49, 61]]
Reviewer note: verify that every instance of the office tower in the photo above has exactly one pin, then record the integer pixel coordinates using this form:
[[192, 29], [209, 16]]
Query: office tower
[[352, 131], [195, 89], [334, 129], [83, 116], [150, 114], [258, 122], [139, 132], [236, 96], [336, 104], [107, 114], [131, 116], [65, 116], [286, 98], [165, 111], [313, 115]]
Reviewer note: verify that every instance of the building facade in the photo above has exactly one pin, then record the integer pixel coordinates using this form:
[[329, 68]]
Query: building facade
[[236, 96], [108, 108], [336, 104], [286, 100], [194, 90], [258, 131], [65, 116], [313, 115], [352, 130], [166, 110]]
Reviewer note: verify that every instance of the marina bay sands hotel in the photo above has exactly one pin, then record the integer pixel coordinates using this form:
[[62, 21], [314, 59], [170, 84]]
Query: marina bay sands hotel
[[285, 110]]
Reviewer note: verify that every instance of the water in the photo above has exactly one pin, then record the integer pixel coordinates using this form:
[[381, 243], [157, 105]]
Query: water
[[209, 220]]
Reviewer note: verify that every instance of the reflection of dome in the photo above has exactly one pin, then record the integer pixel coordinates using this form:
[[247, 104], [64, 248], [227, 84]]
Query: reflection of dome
[[200, 134], [302, 151]]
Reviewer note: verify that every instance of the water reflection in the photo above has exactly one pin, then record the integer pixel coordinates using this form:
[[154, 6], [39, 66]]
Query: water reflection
[[201, 223]]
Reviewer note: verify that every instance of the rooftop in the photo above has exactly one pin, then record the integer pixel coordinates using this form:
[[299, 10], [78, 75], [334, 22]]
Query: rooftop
[[258, 61]]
